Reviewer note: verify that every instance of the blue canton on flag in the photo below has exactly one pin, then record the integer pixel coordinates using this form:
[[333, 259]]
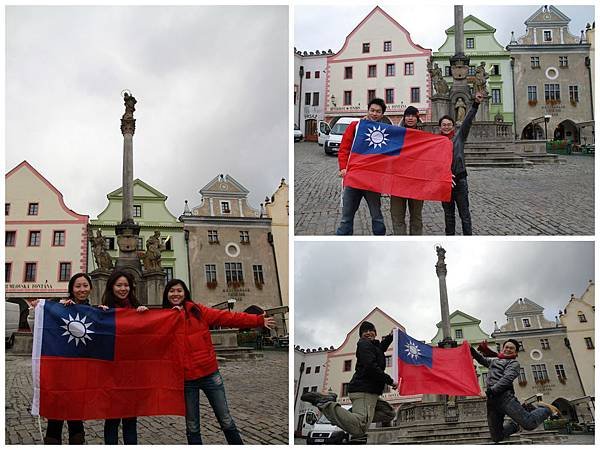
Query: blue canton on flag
[[78, 331], [411, 351], [377, 138]]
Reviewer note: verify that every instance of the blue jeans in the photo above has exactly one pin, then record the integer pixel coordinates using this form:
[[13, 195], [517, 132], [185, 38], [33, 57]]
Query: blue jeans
[[111, 431], [351, 202], [507, 404], [213, 388], [460, 198]]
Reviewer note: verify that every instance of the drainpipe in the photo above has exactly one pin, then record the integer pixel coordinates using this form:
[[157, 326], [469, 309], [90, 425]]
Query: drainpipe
[[270, 239], [589, 67], [298, 386], [568, 345], [301, 74], [186, 235]]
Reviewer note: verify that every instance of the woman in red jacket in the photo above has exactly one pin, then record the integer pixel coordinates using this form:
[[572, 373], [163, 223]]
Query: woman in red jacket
[[201, 370]]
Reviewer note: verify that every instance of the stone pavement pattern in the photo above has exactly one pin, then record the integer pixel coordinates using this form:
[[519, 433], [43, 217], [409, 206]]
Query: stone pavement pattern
[[546, 199], [257, 393]]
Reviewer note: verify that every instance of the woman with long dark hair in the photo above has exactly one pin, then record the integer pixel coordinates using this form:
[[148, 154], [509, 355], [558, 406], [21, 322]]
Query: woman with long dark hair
[[79, 288], [201, 370], [120, 293]]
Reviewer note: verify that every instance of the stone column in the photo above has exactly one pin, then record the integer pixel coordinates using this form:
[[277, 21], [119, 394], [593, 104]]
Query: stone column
[[441, 271], [459, 32], [99, 278], [155, 285], [127, 231]]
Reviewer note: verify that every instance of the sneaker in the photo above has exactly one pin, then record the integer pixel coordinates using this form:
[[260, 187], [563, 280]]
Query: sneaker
[[555, 411], [316, 399], [358, 440]]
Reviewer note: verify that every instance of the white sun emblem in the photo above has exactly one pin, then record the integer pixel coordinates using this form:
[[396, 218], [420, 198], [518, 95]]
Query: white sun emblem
[[77, 329], [377, 137], [413, 350]]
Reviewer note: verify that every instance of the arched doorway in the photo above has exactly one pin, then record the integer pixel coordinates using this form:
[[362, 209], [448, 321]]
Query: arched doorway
[[568, 131], [532, 132], [310, 130]]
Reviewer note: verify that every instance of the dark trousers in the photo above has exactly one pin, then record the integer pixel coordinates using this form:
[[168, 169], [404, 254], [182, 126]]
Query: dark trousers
[[460, 199], [507, 404], [111, 431], [54, 432], [351, 202]]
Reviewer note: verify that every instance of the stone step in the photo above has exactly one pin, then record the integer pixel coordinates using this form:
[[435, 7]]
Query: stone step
[[465, 440], [499, 164]]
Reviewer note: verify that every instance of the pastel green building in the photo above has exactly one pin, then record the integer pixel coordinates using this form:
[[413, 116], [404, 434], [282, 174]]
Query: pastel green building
[[465, 327], [151, 213], [481, 46]]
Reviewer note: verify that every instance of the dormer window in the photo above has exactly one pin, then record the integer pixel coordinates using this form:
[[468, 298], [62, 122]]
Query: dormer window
[[225, 207]]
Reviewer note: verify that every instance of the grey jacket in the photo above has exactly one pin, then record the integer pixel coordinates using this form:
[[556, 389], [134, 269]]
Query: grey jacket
[[502, 372], [459, 169]]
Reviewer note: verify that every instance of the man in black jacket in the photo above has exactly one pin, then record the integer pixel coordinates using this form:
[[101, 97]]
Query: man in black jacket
[[501, 398], [460, 188], [367, 384]]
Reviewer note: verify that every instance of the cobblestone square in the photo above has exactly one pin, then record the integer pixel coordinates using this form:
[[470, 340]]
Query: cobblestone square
[[257, 394], [546, 199]]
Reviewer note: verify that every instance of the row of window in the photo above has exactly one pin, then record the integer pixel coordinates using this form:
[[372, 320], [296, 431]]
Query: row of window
[[234, 273], [308, 369], [213, 236], [64, 272], [316, 72], [389, 95], [540, 373], [563, 61], [545, 344], [387, 46], [34, 208], [30, 271], [552, 92], [390, 70], [35, 238]]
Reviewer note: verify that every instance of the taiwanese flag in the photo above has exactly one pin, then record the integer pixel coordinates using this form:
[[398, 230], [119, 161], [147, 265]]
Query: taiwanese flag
[[400, 161], [422, 369], [93, 364]]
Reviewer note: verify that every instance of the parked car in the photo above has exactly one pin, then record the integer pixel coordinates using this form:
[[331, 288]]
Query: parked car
[[12, 315], [333, 141], [298, 136], [324, 432]]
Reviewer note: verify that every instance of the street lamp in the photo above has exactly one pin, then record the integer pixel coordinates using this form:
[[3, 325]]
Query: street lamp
[[301, 74], [546, 120]]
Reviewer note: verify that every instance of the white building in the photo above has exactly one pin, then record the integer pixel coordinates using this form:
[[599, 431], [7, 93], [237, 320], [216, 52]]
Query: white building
[[309, 373], [310, 69], [378, 59]]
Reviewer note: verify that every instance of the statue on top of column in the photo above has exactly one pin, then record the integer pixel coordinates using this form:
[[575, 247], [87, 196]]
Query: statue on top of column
[[130, 102]]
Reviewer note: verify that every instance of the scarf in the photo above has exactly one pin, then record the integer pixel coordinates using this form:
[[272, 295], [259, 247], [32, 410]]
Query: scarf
[[122, 303], [449, 135], [503, 356]]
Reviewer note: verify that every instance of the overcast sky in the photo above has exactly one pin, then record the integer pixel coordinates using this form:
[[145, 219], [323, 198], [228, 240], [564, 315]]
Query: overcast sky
[[338, 283], [211, 85], [326, 27]]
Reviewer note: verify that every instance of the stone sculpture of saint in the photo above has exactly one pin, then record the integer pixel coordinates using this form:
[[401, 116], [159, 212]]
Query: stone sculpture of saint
[[437, 79], [460, 110], [130, 102], [99, 249], [152, 258], [481, 77]]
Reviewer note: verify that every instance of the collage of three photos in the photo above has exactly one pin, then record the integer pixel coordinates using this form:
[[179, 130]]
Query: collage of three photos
[[300, 224]]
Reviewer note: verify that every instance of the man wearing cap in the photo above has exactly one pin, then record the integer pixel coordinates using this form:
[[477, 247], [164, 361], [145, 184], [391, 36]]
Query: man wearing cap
[[500, 394], [364, 389], [398, 205]]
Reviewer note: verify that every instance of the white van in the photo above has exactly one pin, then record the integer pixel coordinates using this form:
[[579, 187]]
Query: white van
[[334, 139], [324, 432], [12, 314]]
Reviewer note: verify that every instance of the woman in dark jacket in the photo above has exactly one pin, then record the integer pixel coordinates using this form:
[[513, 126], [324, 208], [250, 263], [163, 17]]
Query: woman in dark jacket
[[79, 288], [367, 384], [201, 370]]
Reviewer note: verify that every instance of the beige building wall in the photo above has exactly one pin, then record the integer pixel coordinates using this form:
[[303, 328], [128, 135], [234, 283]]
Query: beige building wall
[[579, 319], [278, 210], [25, 185]]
